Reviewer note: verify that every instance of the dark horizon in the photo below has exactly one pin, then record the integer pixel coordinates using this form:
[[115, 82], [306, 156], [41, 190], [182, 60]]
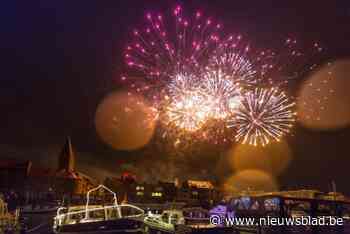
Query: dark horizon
[[61, 59]]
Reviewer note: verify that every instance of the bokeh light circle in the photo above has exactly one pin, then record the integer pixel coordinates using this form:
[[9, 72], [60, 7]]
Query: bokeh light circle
[[250, 180], [125, 121], [273, 158], [324, 98]]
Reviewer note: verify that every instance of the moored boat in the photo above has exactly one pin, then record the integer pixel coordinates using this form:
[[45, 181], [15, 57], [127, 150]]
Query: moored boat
[[169, 221], [100, 218], [198, 219]]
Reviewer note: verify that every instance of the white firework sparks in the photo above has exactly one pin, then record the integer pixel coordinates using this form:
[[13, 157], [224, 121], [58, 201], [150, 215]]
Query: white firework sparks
[[222, 93], [236, 67], [188, 111], [182, 83], [263, 116]]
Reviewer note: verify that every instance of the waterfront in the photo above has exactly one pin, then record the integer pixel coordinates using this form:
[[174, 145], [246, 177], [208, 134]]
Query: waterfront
[[160, 219], [42, 225]]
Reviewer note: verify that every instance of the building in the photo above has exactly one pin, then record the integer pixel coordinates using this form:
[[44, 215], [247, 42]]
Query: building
[[127, 187], [13, 174], [169, 191], [141, 192], [198, 193], [37, 183], [192, 193], [67, 178], [124, 186]]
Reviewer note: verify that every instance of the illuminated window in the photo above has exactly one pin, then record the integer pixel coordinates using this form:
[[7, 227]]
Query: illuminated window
[[139, 193], [157, 194], [140, 188]]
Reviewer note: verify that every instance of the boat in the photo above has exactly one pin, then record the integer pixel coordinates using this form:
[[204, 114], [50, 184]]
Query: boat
[[169, 221], [99, 218], [186, 220], [9, 222], [197, 217]]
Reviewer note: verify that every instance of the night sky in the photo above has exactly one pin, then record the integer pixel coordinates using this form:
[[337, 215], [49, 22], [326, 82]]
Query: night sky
[[60, 58]]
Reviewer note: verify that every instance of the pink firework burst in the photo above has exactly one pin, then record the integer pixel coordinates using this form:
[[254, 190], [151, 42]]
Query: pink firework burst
[[166, 48]]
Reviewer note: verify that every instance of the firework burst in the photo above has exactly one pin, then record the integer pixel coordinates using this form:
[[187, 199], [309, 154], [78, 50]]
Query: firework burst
[[185, 106], [222, 93], [188, 111], [199, 79], [235, 67], [250, 66], [161, 50], [264, 115], [181, 84], [230, 57]]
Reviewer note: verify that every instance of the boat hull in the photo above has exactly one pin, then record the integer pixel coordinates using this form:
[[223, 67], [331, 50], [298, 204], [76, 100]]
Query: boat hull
[[215, 230], [179, 229], [117, 226], [158, 231]]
